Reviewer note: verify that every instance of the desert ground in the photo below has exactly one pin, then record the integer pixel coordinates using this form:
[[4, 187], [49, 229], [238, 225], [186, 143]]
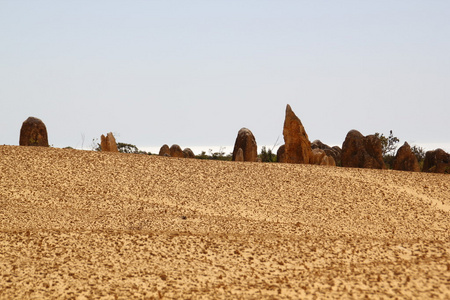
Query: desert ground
[[89, 225]]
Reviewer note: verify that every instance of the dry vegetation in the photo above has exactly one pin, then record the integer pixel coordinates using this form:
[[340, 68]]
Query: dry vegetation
[[82, 224]]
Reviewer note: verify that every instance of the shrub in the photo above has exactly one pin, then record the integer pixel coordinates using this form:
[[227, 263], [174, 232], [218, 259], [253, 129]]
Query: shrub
[[129, 148], [419, 152], [266, 155], [220, 155], [388, 144], [95, 145]]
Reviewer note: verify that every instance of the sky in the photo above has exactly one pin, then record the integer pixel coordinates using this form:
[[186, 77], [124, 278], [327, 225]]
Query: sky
[[194, 72]]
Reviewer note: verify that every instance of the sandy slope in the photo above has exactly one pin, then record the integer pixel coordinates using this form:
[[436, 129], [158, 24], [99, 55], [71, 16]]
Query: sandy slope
[[80, 224]]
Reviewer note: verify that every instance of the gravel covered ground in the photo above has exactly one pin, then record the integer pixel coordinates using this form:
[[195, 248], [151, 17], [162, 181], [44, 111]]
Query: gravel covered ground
[[81, 224]]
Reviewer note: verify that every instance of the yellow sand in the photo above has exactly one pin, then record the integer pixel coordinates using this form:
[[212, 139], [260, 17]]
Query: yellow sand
[[82, 224]]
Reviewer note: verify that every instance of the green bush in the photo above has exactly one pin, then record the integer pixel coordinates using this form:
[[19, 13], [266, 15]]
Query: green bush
[[266, 155], [388, 144], [129, 148], [220, 155], [419, 152]]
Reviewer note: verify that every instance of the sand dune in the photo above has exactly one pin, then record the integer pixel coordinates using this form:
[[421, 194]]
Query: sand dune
[[81, 224]]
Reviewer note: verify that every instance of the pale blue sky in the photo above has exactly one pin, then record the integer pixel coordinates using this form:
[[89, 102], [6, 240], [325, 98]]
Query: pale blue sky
[[195, 72]]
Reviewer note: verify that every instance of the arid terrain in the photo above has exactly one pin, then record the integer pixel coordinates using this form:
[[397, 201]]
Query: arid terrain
[[80, 225]]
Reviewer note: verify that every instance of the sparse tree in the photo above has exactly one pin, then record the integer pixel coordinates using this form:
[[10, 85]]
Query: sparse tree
[[95, 145], [220, 155], [129, 148], [388, 147], [388, 144], [419, 152]]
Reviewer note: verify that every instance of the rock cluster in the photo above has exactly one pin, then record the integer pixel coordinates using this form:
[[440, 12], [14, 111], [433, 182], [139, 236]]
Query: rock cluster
[[108, 143], [319, 157], [296, 142], [406, 160], [298, 148], [334, 152], [175, 151], [360, 151], [436, 161], [245, 141], [33, 133]]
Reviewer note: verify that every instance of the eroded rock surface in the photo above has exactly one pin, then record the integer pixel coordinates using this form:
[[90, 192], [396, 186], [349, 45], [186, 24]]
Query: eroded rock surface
[[188, 153], [281, 157], [175, 151], [33, 133], [319, 157], [164, 150], [297, 145], [239, 155], [108, 143], [436, 161], [405, 160], [246, 141], [360, 151], [334, 151]]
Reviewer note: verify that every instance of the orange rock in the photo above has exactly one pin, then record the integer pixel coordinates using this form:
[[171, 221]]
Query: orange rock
[[317, 156], [164, 151], [175, 151], [188, 153], [281, 157], [328, 161], [239, 155], [360, 151], [405, 160], [297, 144], [108, 143], [246, 141], [335, 151], [33, 133], [437, 161]]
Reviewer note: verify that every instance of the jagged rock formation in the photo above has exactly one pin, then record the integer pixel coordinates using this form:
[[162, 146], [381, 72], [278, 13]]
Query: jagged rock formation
[[108, 143], [436, 161], [405, 160], [246, 141], [297, 145], [33, 133], [360, 151]]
